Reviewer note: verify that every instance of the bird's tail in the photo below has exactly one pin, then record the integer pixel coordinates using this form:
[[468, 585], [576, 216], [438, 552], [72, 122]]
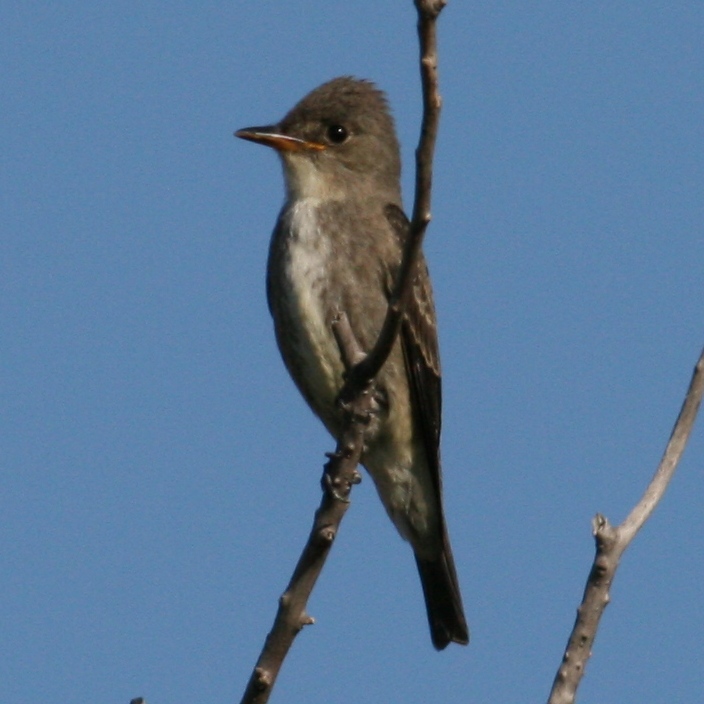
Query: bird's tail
[[443, 600]]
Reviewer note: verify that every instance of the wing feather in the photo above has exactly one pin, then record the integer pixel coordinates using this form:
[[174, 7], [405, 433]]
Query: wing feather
[[419, 342]]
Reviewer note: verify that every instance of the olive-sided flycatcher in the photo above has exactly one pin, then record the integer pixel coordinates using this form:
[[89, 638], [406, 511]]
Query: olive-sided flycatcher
[[336, 248]]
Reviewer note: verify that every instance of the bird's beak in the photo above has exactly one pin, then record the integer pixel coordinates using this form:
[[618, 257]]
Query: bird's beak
[[270, 136]]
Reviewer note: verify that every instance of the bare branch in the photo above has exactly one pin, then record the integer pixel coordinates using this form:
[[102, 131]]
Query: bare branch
[[339, 476], [612, 542], [671, 457], [428, 11], [340, 472]]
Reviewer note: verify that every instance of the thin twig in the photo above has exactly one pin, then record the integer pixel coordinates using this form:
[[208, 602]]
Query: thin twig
[[611, 542], [367, 369], [340, 472]]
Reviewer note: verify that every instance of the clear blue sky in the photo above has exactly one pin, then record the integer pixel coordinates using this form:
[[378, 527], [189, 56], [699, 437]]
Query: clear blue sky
[[159, 471]]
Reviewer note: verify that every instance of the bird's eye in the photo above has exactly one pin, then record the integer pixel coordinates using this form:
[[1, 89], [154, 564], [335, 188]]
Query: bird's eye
[[337, 134]]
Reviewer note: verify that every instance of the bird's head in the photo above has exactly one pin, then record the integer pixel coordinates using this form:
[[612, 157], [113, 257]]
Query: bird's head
[[339, 139]]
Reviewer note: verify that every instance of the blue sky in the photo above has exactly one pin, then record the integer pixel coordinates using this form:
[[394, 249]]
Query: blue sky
[[159, 471]]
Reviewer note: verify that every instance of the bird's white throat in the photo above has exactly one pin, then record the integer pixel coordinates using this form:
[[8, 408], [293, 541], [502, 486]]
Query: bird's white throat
[[305, 180]]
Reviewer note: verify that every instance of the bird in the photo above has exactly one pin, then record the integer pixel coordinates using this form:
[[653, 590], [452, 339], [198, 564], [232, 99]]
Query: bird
[[335, 248]]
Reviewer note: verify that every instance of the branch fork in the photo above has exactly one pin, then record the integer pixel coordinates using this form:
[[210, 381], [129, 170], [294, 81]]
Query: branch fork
[[612, 541]]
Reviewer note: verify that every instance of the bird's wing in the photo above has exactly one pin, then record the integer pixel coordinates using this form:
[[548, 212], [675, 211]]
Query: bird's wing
[[419, 342]]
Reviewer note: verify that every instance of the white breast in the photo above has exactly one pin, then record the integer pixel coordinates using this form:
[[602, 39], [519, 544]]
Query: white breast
[[308, 258]]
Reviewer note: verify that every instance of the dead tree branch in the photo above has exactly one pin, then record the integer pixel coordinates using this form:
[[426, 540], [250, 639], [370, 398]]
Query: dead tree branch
[[340, 472], [611, 542]]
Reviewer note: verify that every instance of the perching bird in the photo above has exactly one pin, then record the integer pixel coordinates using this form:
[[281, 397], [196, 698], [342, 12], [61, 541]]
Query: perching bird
[[335, 248]]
